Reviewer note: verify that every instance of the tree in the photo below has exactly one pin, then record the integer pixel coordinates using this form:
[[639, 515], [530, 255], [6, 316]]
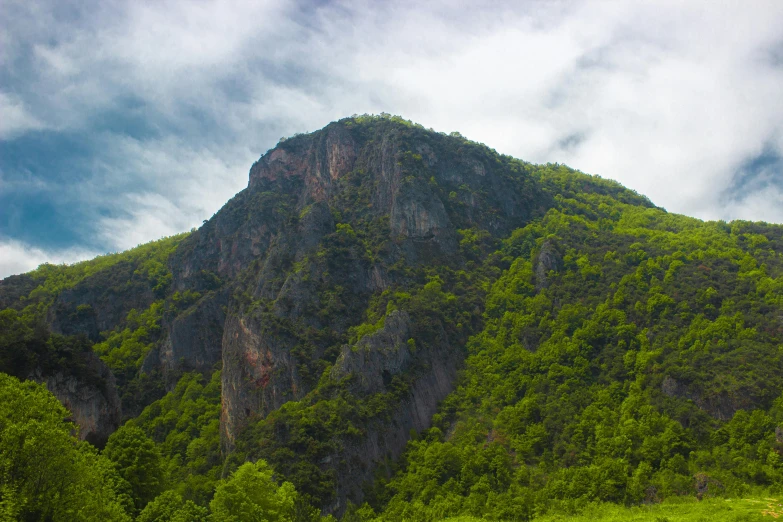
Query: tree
[[45, 472], [138, 461], [251, 494], [169, 507]]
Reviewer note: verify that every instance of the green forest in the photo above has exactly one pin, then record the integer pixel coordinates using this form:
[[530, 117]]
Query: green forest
[[620, 363]]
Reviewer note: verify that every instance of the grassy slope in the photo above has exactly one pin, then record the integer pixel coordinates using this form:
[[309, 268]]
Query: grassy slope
[[682, 509]]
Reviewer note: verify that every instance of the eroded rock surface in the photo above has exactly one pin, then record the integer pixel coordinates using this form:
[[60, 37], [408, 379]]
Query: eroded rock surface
[[258, 376], [377, 357], [100, 302], [721, 407], [195, 337], [94, 405]]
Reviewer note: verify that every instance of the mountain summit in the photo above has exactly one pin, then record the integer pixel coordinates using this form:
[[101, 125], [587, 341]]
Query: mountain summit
[[391, 315]]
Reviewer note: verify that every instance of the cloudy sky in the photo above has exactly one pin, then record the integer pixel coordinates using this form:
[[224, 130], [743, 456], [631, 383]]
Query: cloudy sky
[[125, 121]]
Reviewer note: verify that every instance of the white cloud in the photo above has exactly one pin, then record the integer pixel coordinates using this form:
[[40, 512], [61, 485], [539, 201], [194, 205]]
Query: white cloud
[[169, 186], [16, 119], [149, 216], [670, 99], [17, 257], [763, 205]]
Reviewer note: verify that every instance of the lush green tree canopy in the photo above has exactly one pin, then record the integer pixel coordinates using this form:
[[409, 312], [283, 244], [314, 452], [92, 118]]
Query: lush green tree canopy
[[251, 494], [138, 461], [170, 507], [45, 472]]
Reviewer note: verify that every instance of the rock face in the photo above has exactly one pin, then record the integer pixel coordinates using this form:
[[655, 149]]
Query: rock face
[[329, 221], [721, 407], [194, 340], [374, 361], [290, 210], [387, 439], [100, 302], [291, 254], [95, 406], [324, 157], [258, 375], [298, 173], [378, 356]]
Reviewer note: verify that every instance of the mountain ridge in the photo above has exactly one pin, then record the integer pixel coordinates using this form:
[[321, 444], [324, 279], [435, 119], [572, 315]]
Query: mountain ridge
[[340, 293]]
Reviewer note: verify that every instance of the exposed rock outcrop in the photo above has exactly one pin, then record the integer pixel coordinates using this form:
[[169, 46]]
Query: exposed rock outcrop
[[721, 407], [375, 358], [548, 259], [385, 354], [320, 158], [416, 189], [100, 302], [94, 405], [258, 376], [195, 337]]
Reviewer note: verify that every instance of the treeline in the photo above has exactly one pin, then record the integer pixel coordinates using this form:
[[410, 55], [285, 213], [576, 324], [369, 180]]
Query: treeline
[[47, 474]]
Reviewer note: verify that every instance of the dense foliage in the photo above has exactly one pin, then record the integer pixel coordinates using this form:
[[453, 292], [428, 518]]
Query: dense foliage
[[147, 261], [646, 365], [27, 348], [330, 416], [185, 427], [678, 509], [45, 473]]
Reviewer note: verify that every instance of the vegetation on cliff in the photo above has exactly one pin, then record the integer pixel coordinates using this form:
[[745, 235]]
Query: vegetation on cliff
[[647, 367], [610, 354], [45, 473], [26, 341]]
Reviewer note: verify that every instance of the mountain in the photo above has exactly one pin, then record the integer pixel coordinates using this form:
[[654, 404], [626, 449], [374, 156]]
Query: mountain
[[404, 319]]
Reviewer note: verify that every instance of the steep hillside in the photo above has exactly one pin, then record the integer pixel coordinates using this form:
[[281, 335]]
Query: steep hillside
[[393, 316], [628, 355], [55, 317]]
